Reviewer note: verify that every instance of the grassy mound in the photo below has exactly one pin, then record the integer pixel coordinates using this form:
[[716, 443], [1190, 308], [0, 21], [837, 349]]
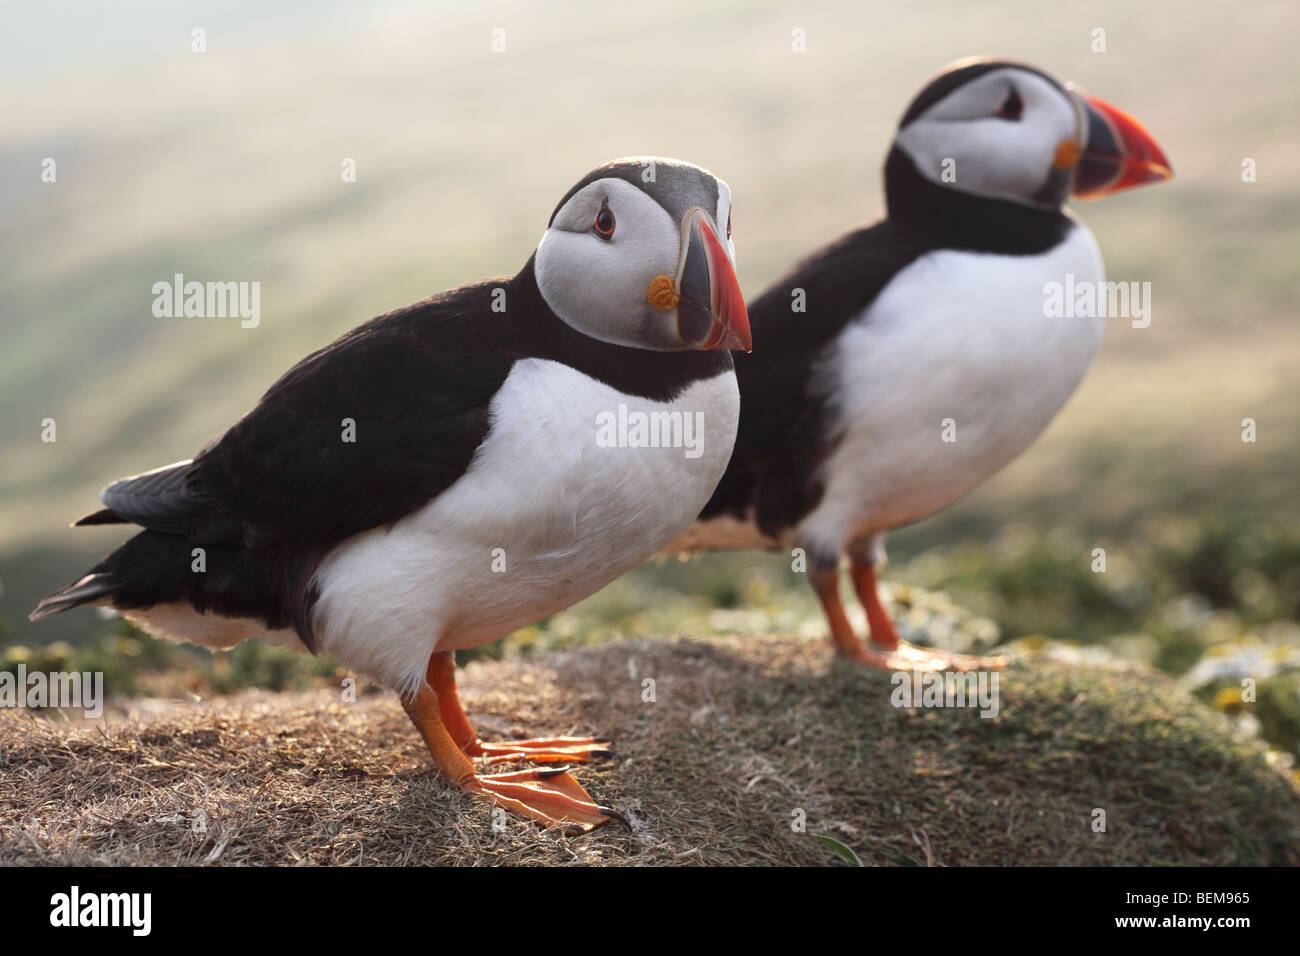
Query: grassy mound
[[743, 734]]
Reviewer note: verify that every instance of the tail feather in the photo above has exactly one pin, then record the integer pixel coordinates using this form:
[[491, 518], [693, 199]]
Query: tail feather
[[154, 568], [89, 588], [103, 516]]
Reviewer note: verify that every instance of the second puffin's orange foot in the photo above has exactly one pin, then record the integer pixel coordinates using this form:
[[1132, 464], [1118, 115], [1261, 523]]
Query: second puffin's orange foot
[[543, 750], [909, 657], [549, 797]]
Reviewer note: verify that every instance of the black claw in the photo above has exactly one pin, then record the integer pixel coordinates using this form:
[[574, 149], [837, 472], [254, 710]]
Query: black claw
[[551, 772], [603, 755], [615, 815]]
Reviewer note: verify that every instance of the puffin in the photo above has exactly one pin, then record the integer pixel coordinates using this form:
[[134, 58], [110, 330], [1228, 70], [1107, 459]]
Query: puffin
[[909, 360], [436, 478]]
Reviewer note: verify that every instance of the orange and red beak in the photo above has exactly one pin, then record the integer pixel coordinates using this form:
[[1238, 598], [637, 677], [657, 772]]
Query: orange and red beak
[[711, 311], [1120, 153]]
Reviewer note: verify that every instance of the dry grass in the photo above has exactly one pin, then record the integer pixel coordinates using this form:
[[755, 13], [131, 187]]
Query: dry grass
[[743, 731]]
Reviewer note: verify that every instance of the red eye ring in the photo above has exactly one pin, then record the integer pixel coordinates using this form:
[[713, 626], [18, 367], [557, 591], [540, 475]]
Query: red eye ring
[[604, 224]]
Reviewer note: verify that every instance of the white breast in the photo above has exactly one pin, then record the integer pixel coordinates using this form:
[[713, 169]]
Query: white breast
[[565, 515], [957, 336]]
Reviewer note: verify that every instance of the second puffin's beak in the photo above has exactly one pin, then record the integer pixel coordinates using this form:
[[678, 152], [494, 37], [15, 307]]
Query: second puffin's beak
[[1120, 153], [710, 311]]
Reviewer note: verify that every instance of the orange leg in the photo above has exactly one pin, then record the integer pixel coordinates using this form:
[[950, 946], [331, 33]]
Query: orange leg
[[889, 651], [549, 797], [883, 633], [826, 582], [441, 677]]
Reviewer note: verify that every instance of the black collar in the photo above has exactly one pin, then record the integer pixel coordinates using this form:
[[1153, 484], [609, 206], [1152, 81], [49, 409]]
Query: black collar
[[940, 218], [659, 376]]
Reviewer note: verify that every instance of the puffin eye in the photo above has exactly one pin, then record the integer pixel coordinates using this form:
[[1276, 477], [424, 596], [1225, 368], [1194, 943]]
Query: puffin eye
[[604, 224], [728, 223], [1011, 107]]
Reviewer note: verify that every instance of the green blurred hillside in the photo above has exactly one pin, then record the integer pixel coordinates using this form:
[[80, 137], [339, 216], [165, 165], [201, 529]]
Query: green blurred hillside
[[226, 165]]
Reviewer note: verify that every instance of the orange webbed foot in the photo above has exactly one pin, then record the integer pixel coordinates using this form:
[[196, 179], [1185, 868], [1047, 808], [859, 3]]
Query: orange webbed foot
[[910, 657], [549, 797], [887, 651], [542, 750]]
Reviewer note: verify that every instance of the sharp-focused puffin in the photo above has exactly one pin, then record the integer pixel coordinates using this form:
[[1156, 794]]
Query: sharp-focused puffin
[[908, 361], [433, 480]]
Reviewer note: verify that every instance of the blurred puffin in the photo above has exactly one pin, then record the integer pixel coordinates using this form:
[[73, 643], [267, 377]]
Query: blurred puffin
[[473, 497], [934, 313]]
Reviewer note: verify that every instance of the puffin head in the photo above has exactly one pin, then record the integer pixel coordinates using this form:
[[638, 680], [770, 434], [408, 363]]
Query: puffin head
[[1003, 130], [639, 253]]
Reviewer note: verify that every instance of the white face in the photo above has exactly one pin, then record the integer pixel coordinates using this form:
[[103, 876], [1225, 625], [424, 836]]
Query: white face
[[1002, 130], [601, 252]]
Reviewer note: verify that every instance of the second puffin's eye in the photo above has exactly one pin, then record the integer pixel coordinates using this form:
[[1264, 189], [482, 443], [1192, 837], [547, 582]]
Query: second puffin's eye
[[604, 224], [1011, 107]]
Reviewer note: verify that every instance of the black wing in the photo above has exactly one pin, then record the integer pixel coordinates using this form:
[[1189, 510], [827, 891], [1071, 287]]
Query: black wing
[[784, 431], [415, 385]]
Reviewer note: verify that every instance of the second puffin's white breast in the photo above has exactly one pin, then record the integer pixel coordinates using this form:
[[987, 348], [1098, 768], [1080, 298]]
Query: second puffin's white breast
[[956, 338], [558, 501]]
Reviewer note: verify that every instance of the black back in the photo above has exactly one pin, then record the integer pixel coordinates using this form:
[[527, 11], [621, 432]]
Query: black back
[[417, 384]]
